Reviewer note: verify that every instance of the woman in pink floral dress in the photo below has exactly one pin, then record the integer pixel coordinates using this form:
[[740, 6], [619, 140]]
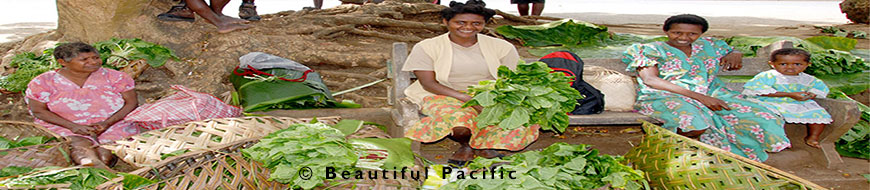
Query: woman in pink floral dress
[[83, 102]]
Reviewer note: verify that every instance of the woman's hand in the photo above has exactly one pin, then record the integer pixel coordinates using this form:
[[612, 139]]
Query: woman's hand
[[100, 127], [732, 61], [82, 129], [801, 96], [714, 104]]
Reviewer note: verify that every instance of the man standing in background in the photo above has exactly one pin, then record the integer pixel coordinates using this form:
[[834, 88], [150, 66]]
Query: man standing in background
[[523, 7]]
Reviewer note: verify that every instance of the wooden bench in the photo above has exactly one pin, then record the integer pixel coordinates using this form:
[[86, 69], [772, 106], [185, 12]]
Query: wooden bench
[[844, 113]]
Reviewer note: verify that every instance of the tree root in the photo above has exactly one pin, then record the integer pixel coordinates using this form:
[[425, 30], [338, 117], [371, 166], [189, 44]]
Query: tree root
[[328, 32], [515, 18], [378, 21], [393, 37], [543, 18]]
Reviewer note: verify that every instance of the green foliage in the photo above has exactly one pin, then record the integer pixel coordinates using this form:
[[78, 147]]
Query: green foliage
[[398, 150], [856, 142], [839, 32], [28, 65], [838, 43], [78, 178], [27, 141], [824, 61], [564, 32], [173, 153], [531, 95], [14, 171], [315, 146], [131, 181], [584, 39], [559, 166], [835, 62], [117, 53]]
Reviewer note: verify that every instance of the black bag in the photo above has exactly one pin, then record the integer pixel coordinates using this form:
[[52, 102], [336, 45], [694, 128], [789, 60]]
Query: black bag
[[570, 64]]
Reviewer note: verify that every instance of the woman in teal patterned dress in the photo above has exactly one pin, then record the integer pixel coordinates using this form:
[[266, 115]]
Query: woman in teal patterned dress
[[677, 84]]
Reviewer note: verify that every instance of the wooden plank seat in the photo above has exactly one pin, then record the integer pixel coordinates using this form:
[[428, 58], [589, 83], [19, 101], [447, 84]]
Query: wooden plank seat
[[844, 113]]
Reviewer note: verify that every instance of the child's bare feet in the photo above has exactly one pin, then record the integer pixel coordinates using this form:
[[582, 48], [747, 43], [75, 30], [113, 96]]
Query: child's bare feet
[[229, 27], [812, 141]]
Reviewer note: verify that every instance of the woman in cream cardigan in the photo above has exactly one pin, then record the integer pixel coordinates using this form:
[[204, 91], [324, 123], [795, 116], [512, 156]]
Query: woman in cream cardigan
[[445, 66]]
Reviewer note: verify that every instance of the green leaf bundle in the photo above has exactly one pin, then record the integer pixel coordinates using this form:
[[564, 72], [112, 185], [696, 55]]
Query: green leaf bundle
[[117, 53], [530, 95], [28, 65], [27, 141], [78, 178], [315, 146], [559, 166], [856, 142]]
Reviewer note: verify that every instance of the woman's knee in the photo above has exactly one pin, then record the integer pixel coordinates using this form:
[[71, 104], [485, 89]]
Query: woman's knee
[[80, 141]]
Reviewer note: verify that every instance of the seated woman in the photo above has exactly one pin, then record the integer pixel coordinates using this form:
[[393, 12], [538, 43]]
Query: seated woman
[[677, 84], [84, 102], [445, 66]]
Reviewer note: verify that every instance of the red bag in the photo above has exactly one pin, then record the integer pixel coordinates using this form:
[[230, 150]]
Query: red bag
[[183, 106]]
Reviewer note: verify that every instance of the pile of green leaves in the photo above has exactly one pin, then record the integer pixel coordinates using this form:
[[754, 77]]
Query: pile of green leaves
[[116, 53], [27, 66], [830, 55], [856, 142], [582, 38], [315, 146], [839, 32], [531, 95], [559, 166], [78, 178], [27, 141]]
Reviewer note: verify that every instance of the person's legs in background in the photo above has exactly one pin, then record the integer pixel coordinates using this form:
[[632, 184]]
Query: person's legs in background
[[178, 12], [248, 10], [223, 24], [537, 8]]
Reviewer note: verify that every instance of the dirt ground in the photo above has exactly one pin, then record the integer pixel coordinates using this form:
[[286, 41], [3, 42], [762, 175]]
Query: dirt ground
[[204, 69]]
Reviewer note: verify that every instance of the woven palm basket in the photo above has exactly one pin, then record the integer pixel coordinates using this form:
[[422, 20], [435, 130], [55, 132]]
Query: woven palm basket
[[225, 168], [48, 154], [672, 161], [146, 148]]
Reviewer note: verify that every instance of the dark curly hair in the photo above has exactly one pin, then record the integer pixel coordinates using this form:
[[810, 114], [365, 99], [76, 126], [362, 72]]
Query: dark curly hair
[[68, 51], [686, 19], [477, 7], [790, 51]]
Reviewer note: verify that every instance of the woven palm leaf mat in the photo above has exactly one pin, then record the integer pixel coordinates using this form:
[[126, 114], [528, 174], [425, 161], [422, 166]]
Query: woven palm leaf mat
[[147, 148], [54, 153], [225, 168], [672, 161]]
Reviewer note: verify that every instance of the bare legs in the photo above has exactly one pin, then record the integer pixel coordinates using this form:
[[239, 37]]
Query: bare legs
[[318, 4], [85, 152], [224, 23], [537, 9], [813, 132], [462, 135]]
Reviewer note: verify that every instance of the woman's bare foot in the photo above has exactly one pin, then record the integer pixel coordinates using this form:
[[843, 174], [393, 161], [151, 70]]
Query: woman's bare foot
[[229, 27], [106, 156], [464, 153], [487, 153]]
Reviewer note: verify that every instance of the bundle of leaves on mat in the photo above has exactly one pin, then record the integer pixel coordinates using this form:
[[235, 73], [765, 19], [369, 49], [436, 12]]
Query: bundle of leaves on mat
[[27, 141], [313, 146], [559, 166], [584, 39], [76, 177], [856, 142], [116, 53], [27, 66], [830, 55], [530, 95]]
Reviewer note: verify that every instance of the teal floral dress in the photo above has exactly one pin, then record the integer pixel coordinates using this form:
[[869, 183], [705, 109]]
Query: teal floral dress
[[791, 110], [748, 129]]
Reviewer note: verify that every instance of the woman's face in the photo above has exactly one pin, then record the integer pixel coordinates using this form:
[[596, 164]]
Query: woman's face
[[465, 25], [682, 35], [84, 62]]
